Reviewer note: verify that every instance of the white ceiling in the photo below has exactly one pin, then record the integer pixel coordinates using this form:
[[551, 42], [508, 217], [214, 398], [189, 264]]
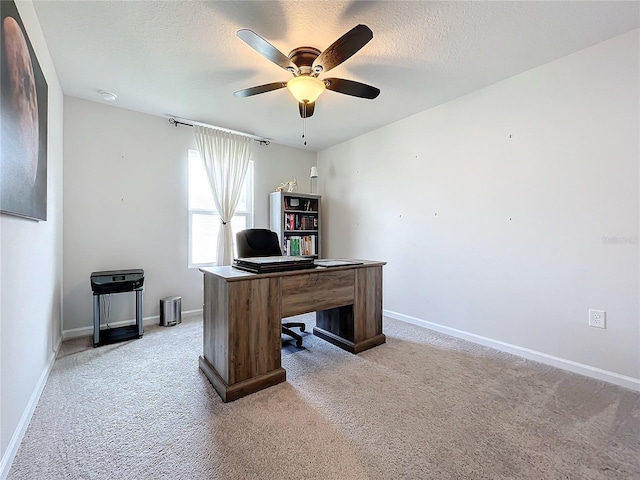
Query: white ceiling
[[183, 58]]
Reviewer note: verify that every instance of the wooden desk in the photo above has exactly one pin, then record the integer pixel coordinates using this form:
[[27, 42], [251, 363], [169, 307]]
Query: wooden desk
[[243, 311]]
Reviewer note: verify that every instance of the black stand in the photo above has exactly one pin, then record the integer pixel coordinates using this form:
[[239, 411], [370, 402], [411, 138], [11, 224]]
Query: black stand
[[118, 334]]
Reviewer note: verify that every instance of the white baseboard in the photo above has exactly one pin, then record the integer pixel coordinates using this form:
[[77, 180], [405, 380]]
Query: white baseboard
[[575, 367], [146, 321], [23, 424]]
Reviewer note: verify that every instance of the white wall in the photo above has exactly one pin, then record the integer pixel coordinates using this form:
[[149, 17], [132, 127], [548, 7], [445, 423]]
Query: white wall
[[510, 212], [126, 205], [31, 278], [275, 164]]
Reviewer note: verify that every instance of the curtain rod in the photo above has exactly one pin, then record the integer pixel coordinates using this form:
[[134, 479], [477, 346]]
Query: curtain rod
[[175, 123]]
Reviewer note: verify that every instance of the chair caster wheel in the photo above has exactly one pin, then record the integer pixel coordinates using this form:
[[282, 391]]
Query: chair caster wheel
[[299, 343], [302, 329]]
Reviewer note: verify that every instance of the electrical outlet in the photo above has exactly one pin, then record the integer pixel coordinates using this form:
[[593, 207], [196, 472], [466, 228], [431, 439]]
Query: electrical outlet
[[597, 318]]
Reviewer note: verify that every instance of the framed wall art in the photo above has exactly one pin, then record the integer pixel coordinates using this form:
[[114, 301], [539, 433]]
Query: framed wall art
[[23, 108]]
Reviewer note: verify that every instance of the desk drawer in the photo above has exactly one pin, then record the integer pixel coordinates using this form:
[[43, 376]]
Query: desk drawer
[[320, 290]]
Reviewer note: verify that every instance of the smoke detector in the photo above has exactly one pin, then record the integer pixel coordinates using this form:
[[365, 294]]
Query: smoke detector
[[108, 96]]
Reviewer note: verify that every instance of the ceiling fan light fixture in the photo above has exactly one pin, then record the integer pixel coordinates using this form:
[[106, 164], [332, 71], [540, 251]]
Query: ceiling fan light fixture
[[306, 89]]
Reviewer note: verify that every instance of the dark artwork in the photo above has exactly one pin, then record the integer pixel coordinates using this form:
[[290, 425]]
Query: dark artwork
[[23, 141]]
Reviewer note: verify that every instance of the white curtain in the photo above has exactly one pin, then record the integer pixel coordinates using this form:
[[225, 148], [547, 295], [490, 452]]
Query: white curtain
[[226, 158]]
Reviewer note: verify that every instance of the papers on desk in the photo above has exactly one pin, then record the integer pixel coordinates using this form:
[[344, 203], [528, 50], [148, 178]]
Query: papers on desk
[[336, 263]]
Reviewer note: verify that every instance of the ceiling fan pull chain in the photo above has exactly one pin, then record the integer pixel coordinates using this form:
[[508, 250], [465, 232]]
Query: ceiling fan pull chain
[[304, 123]]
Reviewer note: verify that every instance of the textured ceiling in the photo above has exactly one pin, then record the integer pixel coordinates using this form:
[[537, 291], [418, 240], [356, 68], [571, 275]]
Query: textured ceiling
[[183, 57]]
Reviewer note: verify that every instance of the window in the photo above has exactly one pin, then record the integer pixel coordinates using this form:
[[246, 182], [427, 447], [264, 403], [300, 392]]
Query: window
[[204, 221]]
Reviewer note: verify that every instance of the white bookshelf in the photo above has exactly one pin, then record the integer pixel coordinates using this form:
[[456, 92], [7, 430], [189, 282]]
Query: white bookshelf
[[296, 218]]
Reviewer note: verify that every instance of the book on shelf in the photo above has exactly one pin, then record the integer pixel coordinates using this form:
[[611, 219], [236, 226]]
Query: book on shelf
[[295, 221], [290, 222], [300, 245]]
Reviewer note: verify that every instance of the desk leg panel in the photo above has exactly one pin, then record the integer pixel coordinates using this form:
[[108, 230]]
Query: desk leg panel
[[345, 344], [337, 321], [367, 309], [356, 327], [241, 335], [230, 393], [254, 333], [215, 315]]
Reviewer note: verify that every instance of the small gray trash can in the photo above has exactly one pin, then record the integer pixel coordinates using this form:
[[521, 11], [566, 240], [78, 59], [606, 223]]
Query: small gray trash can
[[170, 311]]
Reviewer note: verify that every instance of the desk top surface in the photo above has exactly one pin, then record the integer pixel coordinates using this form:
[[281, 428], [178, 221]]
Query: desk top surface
[[230, 273]]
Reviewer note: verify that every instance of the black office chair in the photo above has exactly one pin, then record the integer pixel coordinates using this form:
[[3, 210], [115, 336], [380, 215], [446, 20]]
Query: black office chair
[[260, 242]]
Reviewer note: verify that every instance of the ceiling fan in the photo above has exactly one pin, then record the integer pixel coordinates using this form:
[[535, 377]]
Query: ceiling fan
[[307, 63]]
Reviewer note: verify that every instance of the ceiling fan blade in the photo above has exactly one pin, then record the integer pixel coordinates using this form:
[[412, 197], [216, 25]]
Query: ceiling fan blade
[[247, 92], [350, 87], [306, 109], [343, 48], [265, 49]]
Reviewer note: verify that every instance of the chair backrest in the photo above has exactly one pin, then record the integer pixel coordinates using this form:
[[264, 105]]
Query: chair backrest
[[257, 242]]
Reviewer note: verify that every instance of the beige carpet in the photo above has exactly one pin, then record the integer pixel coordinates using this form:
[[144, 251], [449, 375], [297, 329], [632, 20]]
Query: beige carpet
[[422, 406]]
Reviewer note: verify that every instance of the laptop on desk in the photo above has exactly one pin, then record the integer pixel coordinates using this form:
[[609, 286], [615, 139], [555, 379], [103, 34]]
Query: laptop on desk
[[273, 264]]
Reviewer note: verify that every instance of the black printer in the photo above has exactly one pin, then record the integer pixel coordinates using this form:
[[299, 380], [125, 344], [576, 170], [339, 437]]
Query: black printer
[[116, 281]]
